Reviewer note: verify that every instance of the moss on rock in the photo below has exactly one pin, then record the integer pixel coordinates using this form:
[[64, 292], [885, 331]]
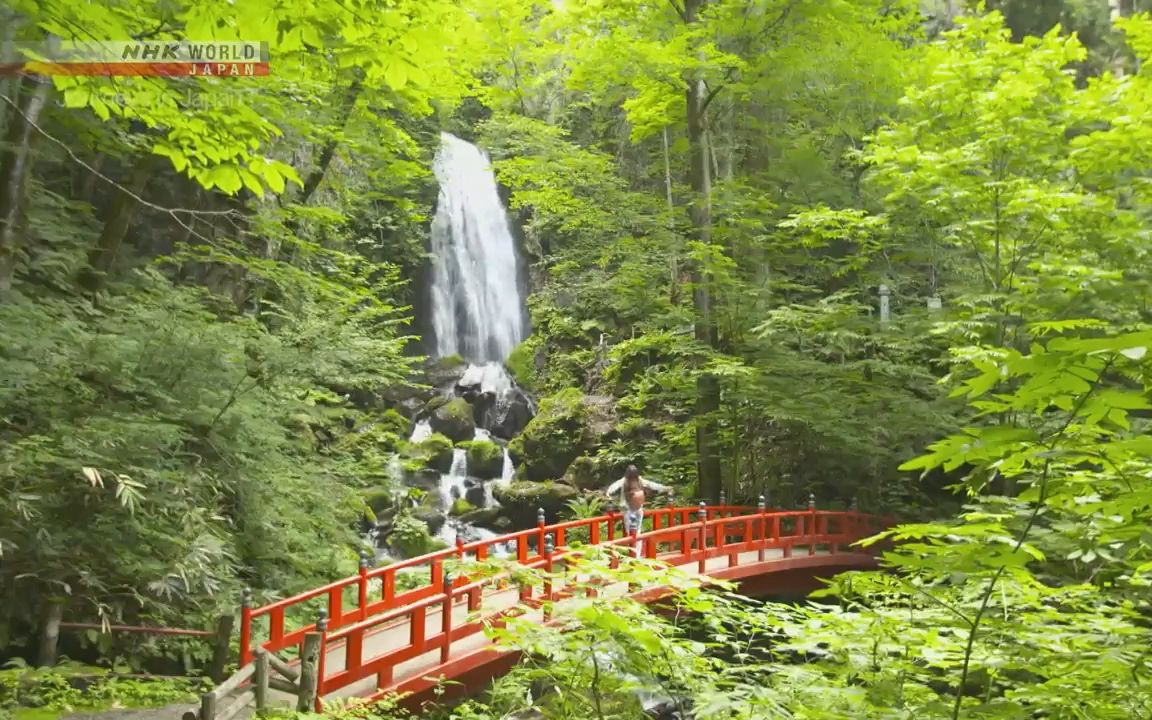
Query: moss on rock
[[460, 506], [433, 453], [593, 472], [521, 500], [379, 500], [567, 426], [553, 439], [522, 362], [485, 458], [454, 419]]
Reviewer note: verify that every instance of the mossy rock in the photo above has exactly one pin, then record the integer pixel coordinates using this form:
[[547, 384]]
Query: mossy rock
[[454, 419], [524, 361], [593, 472], [521, 500], [461, 506], [485, 458], [488, 517], [379, 500], [433, 453], [567, 425]]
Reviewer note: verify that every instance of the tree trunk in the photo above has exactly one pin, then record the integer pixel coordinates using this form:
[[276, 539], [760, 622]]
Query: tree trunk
[[102, 256], [674, 256], [15, 169], [708, 470]]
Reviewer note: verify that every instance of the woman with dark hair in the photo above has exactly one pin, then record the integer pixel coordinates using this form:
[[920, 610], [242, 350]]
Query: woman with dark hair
[[632, 489]]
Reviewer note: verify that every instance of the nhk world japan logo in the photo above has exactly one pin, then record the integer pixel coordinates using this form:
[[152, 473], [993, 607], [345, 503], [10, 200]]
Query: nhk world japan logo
[[153, 58]]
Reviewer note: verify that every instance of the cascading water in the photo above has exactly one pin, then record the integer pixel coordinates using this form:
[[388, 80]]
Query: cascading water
[[476, 311]]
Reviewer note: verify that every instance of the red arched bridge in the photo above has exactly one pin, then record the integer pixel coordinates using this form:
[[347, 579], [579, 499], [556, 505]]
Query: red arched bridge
[[407, 627]]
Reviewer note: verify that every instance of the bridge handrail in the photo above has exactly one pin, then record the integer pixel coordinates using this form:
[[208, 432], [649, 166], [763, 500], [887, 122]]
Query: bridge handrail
[[718, 530], [279, 638]]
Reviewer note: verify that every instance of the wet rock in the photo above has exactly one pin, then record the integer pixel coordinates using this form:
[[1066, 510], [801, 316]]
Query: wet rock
[[509, 416], [499, 405], [476, 496]]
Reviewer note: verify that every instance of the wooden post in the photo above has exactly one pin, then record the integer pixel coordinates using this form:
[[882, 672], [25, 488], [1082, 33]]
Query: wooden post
[[260, 681], [208, 706], [50, 633], [309, 672], [221, 648]]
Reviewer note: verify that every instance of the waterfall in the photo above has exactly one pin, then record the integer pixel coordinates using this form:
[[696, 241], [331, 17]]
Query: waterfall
[[477, 309]]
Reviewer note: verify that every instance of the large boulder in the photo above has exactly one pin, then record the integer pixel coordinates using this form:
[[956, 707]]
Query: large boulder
[[521, 500], [567, 425], [485, 458], [453, 419]]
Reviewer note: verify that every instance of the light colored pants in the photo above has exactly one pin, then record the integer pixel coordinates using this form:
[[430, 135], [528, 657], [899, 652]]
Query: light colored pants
[[634, 520]]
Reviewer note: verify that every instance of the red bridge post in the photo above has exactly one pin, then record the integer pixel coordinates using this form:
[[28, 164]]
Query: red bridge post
[[245, 627], [812, 530], [362, 586], [762, 508]]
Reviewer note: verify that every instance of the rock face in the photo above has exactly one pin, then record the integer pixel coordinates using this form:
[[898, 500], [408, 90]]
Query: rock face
[[453, 419], [567, 426], [521, 500]]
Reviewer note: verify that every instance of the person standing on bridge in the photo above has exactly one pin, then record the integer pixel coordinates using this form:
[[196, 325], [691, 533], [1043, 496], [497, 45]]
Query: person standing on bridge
[[632, 489]]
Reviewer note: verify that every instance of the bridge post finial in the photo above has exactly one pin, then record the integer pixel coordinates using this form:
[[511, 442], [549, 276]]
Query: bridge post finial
[[855, 504], [723, 498], [811, 501], [703, 512], [447, 581], [364, 561], [321, 621], [763, 504], [246, 598], [540, 518], [549, 545]]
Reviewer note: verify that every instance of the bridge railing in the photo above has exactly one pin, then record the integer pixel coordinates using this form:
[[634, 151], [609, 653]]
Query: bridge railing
[[377, 589], [680, 535]]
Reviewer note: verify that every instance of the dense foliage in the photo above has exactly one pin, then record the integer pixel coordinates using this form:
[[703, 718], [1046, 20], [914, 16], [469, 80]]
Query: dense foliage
[[877, 249]]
